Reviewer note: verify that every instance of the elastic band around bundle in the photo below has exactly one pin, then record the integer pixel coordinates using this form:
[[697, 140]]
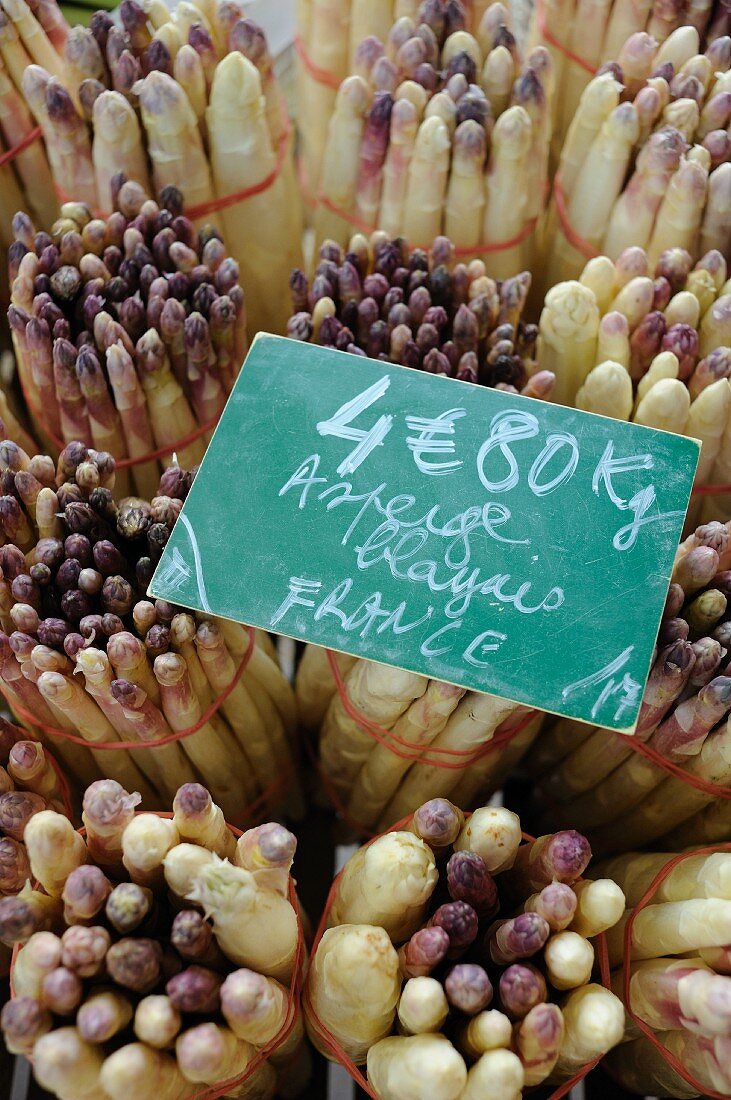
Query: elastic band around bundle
[[203, 209], [676, 770], [10, 154], [215, 1092], [550, 38], [120, 463], [461, 251], [674, 1063], [455, 759], [320, 76], [335, 1049], [707, 490], [587, 250], [178, 735]]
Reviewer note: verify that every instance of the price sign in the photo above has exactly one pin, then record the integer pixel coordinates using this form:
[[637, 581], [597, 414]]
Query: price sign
[[507, 545]]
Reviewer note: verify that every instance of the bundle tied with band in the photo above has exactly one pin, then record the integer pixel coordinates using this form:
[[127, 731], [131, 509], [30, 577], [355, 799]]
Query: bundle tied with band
[[645, 161], [582, 37], [31, 781], [181, 99], [453, 958], [129, 332], [332, 38], [197, 932], [438, 130], [669, 783], [390, 740], [144, 693]]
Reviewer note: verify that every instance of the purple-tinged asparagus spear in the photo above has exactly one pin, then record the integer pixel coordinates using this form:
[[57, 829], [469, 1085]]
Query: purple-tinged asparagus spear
[[556, 903], [521, 988], [61, 991], [468, 988], [517, 938], [84, 894], [423, 953], [23, 1020], [135, 964], [468, 879], [459, 920], [195, 990]]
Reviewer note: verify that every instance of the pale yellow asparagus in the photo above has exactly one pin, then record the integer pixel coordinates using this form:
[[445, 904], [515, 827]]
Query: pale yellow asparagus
[[569, 960], [381, 694], [422, 1006], [340, 165], [496, 78], [383, 770], [418, 1067], [600, 904], [146, 841], [607, 391], [701, 876], [428, 174], [388, 883], [665, 406], [568, 333], [672, 928], [497, 1075], [117, 141], [489, 1030], [55, 849], [664, 365], [353, 985], [506, 207], [594, 1023], [470, 727], [600, 277], [599, 99], [494, 834], [315, 684], [259, 230]]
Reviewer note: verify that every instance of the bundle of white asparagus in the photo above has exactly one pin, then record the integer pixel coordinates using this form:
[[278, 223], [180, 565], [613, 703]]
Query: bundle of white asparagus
[[680, 973], [440, 738], [161, 957], [654, 350], [646, 159], [595, 32], [129, 331], [330, 36], [422, 310], [430, 926], [186, 98], [29, 782], [83, 651], [437, 132], [603, 783]]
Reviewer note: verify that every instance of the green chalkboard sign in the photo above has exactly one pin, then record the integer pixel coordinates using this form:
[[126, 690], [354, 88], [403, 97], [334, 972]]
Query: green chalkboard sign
[[507, 545]]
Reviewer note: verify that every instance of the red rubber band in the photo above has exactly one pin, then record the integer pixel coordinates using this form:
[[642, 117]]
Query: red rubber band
[[202, 209], [677, 770], [586, 249], [407, 750], [333, 1046], [548, 37], [320, 76], [704, 490], [10, 154], [478, 250], [674, 1063], [178, 735], [120, 463], [215, 1092]]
